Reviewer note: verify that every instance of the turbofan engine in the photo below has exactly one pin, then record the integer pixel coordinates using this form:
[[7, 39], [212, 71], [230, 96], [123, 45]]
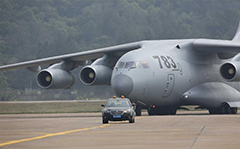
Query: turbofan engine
[[230, 71], [96, 75], [55, 79]]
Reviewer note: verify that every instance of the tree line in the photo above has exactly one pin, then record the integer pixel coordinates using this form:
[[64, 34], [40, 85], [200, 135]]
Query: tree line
[[31, 29]]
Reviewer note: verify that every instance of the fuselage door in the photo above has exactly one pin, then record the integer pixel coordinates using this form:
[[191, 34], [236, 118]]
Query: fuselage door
[[169, 86]]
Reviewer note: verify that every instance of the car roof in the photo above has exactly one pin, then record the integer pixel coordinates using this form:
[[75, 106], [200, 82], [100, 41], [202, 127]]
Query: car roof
[[118, 99]]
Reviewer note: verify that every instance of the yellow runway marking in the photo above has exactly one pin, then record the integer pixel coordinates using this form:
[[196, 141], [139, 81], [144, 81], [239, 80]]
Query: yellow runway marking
[[54, 134]]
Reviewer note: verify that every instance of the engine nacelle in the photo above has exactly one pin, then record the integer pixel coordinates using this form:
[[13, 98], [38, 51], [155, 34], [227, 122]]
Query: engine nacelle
[[230, 71], [55, 79], [96, 75]]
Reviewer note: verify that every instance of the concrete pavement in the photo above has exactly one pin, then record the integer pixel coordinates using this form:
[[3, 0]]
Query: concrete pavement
[[187, 129]]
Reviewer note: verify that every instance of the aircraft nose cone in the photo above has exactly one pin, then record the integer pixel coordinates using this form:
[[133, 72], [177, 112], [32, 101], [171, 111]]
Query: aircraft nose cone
[[122, 85]]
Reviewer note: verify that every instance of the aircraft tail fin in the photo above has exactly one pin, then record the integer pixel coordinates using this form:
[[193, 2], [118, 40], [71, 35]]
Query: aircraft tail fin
[[237, 35]]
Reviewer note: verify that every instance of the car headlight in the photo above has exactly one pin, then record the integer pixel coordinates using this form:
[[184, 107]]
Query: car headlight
[[127, 111], [106, 111]]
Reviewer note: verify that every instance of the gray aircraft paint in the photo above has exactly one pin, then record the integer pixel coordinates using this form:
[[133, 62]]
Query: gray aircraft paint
[[152, 86]]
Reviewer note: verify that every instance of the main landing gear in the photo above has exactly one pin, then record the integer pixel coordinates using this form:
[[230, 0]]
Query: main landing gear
[[154, 110], [224, 109]]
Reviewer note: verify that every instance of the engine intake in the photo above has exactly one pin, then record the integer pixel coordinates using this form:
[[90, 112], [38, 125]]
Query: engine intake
[[230, 71], [96, 75], [55, 79]]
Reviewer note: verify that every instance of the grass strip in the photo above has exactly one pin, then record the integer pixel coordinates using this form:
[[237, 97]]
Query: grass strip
[[50, 107]]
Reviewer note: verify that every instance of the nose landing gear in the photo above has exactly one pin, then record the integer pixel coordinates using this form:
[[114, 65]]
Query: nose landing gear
[[138, 110]]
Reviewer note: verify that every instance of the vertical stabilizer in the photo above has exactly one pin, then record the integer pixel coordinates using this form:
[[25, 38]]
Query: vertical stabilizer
[[237, 35]]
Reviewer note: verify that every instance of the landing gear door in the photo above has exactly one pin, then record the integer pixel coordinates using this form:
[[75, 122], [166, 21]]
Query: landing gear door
[[169, 86]]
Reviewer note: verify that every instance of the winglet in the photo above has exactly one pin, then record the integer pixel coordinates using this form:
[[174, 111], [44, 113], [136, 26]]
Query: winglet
[[237, 35]]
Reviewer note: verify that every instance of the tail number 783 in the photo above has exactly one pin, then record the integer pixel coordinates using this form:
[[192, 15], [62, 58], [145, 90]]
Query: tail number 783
[[166, 60]]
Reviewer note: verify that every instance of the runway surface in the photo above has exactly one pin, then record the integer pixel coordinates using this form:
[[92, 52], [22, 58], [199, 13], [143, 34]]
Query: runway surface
[[185, 130]]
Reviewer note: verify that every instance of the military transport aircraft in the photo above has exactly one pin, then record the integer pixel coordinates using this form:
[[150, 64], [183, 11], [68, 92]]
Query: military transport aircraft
[[159, 76]]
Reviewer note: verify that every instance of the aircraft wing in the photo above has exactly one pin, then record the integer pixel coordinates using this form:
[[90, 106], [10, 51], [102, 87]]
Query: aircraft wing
[[216, 46], [117, 51]]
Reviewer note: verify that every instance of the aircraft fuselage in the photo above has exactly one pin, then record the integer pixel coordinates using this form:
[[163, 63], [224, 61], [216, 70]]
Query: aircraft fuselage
[[162, 71]]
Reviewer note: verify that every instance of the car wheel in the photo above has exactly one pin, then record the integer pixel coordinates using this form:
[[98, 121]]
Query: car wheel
[[132, 120], [104, 121]]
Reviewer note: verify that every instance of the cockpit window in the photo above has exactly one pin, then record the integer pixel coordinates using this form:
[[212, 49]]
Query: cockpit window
[[120, 65], [144, 64], [130, 65]]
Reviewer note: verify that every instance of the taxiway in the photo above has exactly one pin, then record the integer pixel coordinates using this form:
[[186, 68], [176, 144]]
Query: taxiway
[[196, 129]]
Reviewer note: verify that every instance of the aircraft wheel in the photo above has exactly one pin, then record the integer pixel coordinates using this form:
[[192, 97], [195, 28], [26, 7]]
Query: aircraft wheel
[[172, 111], [159, 111], [163, 111], [224, 109], [151, 111], [234, 110], [138, 110], [221, 110], [166, 111], [213, 111], [228, 110]]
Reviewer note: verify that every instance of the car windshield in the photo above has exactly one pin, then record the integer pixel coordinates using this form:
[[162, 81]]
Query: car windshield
[[118, 103]]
